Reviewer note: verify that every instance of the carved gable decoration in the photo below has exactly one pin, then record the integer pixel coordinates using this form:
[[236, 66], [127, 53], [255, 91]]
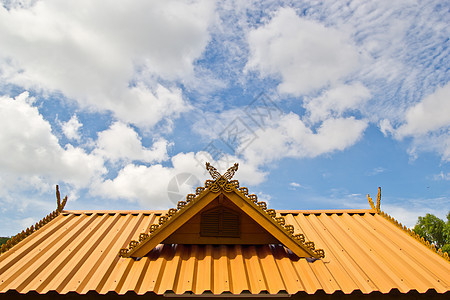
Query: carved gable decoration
[[221, 212]]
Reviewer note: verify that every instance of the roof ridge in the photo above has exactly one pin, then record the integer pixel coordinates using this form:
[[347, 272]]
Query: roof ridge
[[410, 232], [14, 240]]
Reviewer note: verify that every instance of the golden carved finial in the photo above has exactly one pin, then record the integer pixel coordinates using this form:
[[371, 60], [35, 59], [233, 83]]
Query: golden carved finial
[[372, 205], [231, 170], [227, 175], [212, 171], [60, 205], [371, 202], [379, 198], [221, 182], [58, 197]]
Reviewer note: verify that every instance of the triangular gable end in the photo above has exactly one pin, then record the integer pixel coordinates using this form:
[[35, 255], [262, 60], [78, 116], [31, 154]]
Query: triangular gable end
[[248, 204], [221, 222]]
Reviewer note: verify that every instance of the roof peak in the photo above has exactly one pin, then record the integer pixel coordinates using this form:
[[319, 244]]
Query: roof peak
[[248, 205]]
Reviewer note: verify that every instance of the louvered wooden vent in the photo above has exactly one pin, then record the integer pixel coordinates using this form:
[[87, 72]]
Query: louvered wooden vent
[[220, 222]]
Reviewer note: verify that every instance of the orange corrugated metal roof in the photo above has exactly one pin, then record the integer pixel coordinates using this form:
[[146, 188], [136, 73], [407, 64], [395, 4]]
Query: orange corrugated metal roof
[[78, 252]]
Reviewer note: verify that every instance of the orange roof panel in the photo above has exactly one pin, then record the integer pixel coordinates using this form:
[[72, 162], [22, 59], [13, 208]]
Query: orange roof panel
[[77, 252]]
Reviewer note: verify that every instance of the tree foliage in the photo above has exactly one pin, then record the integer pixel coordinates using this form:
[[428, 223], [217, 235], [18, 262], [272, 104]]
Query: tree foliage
[[3, 240], [434, 230]]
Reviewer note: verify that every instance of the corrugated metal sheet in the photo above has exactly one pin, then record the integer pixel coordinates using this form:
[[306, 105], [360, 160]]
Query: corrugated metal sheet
[[78, 251]]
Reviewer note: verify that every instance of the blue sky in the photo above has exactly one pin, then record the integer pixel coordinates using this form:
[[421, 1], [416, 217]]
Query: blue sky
[[320, 103]]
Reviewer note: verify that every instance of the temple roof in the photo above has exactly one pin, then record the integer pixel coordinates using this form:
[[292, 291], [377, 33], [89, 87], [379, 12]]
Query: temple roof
[[364, 251], [77, 251]]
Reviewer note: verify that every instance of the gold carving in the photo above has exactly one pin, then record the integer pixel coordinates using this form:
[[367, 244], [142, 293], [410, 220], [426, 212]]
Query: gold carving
[[310, 245], [300, 237], [230, 172], [244, 190], [289, 228], [253, 198], [123, 252], [162, 219], [320, 253], [153, 228], [379, 198], [280, 220], [199, 189], [190, 197], [142, 237], [372, 205], [235, 183], [212, 171], [262, 205], [133, 244], [271, 212]]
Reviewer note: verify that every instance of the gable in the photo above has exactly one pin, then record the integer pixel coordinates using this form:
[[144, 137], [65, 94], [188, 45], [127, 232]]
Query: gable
[[221, 223], [196, 204]]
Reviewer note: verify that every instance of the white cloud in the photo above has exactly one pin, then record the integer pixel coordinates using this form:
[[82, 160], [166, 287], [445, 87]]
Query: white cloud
[[71, 128], [149, 185], [110, 56], [336, 101], [376, 171], [31, 154], [290, 137], [416, 207], [385, 127], [295, 184], [428, 123], [122, 143], [442, 176], [304, 53], [431, 114]]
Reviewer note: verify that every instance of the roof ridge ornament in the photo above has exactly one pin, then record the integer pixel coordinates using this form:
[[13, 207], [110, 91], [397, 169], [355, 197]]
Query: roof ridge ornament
[[221, 182], [231, 170], [227, 175]]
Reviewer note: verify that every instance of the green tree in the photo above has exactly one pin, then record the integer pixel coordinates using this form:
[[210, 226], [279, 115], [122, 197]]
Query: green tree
[[3, 240], [434, 230]]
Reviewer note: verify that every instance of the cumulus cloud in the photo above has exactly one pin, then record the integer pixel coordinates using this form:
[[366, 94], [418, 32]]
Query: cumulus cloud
[[104, 63], [291, 137], [120, 142], [31, 153], [431, 114], [304, 53], [336, 101], [427, 123], [71, 128], [149, 185]]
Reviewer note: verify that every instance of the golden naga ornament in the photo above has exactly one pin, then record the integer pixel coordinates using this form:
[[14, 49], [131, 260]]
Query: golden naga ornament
[[222, 182]]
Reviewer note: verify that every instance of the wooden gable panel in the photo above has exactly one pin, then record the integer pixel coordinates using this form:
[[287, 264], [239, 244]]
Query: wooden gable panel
[[250, 232]]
